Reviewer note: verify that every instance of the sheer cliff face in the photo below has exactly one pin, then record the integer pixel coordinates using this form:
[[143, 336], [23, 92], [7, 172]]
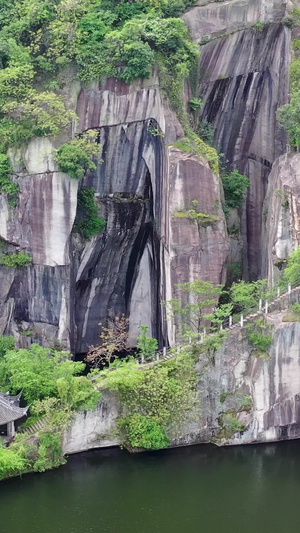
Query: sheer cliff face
[[281, 226], [244, 81], [143, 252], [209, 19], [238, 389], [244, 78], [261, 392]]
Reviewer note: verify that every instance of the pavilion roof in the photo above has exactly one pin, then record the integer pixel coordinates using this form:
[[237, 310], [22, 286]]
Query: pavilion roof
[[9, 409]]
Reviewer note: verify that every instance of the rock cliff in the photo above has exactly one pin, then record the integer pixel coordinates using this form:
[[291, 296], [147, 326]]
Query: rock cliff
[[246, 396], [280, 229], [134, 264]]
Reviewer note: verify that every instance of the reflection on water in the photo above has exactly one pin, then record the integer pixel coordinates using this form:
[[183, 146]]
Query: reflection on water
[[248, 489]]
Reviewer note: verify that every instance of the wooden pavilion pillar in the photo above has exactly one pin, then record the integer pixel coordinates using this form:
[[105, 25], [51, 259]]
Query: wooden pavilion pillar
[[11, 430]]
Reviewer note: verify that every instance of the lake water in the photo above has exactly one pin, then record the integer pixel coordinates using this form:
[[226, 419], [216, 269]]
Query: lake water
[[249, 489]]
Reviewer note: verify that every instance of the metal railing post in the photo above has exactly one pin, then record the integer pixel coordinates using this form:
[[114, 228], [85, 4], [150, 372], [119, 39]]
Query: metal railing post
[[278, 292], [157, 356], [260, 304], [230, 321], [242, 321], [190, 340], [266, 307], [143, 359], [289, 288], [164, 351]]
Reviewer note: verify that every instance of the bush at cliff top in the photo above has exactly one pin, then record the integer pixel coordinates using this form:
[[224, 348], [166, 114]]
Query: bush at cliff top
[[76, 157]]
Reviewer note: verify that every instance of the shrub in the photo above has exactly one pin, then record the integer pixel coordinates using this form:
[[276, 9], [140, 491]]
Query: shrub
[[292, 271], [234, 424], [36, 371], [261, 341], [6, 343], [245, 296], [11, 463], [21, 259], [195, 103], [206, 131], [288, 116], [6, 184], [145, 432], [147, 346], [50, 454], [88, 223], [76, 157], [194, 144], [235, 186], [155, 400]]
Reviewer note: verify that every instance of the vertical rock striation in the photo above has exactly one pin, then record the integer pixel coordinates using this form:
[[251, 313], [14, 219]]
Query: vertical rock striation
[[281, 221], [133, 266], [244, 81]]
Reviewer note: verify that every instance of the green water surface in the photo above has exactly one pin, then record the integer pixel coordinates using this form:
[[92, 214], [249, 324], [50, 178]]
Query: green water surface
[[249, 489]]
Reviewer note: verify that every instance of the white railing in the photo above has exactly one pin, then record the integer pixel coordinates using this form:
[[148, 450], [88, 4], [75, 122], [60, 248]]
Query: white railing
[[262, 308]]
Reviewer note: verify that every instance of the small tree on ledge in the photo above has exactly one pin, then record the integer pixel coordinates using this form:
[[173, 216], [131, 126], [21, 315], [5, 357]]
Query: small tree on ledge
[[196, 299], [114, 340]]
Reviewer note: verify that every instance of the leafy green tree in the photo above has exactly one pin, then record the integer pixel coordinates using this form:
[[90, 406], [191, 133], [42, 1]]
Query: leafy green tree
[[164, 395], [11, 463], [7, 343], [220, 314], [77, 393], [292, 271], [145, 432], [235, 186], [289, 115], [76, 157], [88, 223], [245, 296], [36, 371], [191, 308], [20, 259], [7, 186], [147, 346]]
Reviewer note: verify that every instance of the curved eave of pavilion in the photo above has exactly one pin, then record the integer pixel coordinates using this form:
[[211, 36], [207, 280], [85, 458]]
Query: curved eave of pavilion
[[9, 412]]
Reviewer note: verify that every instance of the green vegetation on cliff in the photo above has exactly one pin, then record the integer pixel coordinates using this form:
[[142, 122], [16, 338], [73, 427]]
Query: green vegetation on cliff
[[156, 400], [53, 388], [45, 44]]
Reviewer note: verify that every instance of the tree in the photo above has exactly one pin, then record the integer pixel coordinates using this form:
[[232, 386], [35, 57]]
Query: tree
[[114, 340], [292, 271], [289, 117], [76, 157], [6, 343], [245, 296], [36, 371], [235, 186], [190, 309], [220, 314], [147, 346]]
